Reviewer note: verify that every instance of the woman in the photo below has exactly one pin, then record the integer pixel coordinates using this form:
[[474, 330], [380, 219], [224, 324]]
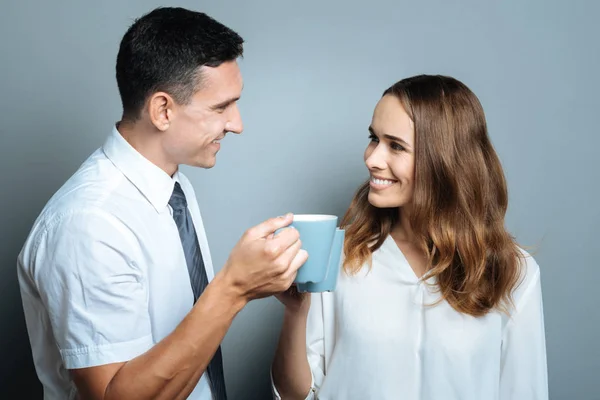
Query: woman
[[435, 299]]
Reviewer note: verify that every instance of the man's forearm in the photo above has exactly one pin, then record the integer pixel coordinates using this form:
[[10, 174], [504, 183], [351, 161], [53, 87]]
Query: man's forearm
[[172, 368], [291, 371]]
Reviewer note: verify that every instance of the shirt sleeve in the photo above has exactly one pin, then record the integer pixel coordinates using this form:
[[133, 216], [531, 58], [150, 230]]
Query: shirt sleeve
[[523, 373], [315, 339], [94, 292], [315, 346]]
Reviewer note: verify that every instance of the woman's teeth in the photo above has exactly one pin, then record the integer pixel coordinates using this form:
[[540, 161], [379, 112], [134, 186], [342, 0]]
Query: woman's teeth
[[381, 181]]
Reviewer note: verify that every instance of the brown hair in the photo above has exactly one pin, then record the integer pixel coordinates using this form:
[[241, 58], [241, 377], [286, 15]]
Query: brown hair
[[459, 204]]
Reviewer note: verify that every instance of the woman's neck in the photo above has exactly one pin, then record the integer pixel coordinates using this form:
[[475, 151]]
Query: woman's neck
[[403, 231]]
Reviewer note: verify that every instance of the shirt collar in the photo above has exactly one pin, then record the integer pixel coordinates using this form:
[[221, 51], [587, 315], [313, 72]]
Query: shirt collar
[[154, 183]]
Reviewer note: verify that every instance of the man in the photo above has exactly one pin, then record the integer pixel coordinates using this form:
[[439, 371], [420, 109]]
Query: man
[[115, 273]]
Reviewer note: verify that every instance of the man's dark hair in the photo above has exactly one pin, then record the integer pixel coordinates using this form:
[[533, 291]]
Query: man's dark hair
[[164, 50]]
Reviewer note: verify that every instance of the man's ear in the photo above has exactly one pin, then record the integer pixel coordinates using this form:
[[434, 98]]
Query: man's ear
[[160, 110]]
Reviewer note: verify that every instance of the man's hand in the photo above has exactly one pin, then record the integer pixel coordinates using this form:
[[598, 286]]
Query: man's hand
[[264, 263]]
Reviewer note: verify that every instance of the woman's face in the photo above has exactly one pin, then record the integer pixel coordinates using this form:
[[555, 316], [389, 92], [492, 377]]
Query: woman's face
[[390, 156]]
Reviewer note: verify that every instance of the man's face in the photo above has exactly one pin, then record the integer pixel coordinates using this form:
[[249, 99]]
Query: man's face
[[196, 129]]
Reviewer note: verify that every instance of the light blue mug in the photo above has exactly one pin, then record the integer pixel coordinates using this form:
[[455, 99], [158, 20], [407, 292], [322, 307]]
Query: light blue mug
[[323, 242], [333, 267]]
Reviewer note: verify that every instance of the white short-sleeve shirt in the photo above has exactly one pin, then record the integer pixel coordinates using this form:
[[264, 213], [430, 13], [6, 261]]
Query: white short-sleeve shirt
[[102, 274]]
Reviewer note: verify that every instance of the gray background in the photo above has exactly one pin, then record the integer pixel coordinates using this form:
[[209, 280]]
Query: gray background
[[313, 72]]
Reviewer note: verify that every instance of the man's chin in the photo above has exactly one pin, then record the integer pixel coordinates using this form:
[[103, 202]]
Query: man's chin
[[206, 164]]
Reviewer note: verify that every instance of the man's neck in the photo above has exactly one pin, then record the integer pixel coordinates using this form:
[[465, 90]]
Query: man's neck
[[147, 143]]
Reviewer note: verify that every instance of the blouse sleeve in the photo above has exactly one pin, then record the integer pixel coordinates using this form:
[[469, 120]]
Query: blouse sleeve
[[315, 346], [523, 369], [315, 340]]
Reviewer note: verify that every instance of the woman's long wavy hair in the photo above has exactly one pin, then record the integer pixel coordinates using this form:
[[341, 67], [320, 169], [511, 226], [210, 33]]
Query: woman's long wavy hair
[[459, 203]]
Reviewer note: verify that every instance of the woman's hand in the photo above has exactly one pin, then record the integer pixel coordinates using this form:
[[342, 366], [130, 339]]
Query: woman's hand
[[294, 301]]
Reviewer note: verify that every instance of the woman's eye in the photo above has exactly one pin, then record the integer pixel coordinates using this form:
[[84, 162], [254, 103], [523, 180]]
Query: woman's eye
[[398, 147], [373, 138]]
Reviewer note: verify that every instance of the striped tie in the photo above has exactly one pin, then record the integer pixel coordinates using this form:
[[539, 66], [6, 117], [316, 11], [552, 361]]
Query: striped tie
[[198, 278]]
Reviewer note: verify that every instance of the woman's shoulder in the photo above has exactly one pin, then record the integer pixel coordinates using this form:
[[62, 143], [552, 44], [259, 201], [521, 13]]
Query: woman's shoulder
[[529, 264], [529, 274]]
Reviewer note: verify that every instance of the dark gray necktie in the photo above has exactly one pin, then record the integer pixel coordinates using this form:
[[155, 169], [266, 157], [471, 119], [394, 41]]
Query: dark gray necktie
[[198, 278]]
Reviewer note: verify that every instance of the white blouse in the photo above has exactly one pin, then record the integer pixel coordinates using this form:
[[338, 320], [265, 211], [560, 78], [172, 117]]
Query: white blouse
[[376, 338]]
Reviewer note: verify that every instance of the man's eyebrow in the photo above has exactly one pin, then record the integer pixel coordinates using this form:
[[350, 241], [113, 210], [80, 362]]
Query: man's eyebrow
[[390, 137], [225, 103]]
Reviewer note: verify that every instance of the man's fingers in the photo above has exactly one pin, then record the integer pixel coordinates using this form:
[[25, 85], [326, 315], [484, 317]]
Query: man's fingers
[[294, 257], [287, 256], [299, 259], [277, 245], [268, 227], [285, 238]]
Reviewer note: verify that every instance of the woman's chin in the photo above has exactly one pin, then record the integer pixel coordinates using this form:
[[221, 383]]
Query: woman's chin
[[379, 202]]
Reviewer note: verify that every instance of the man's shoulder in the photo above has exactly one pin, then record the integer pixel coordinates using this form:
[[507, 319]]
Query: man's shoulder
[[66, 232], [93, 184], [89, 190]]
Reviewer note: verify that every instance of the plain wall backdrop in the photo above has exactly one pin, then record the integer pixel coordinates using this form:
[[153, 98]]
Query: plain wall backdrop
[[313, 73]]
